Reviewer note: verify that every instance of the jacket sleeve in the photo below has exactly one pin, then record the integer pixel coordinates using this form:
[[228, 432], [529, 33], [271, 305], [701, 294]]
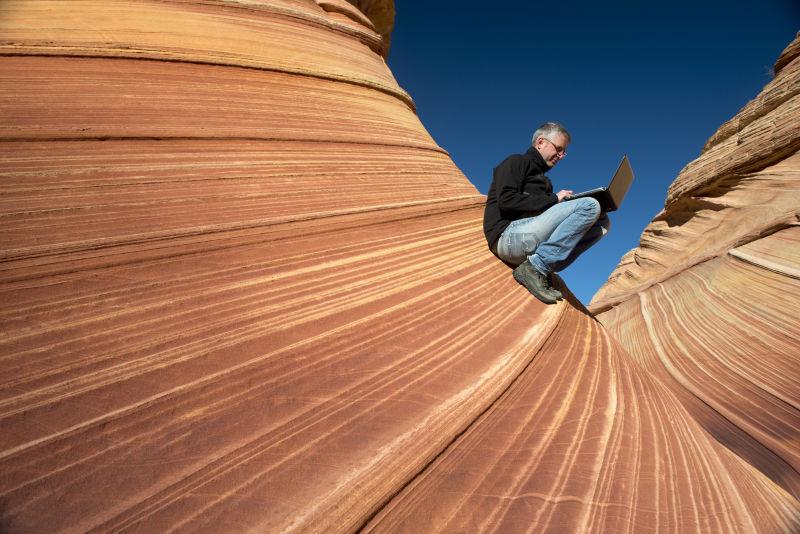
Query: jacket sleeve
[[511, 199]]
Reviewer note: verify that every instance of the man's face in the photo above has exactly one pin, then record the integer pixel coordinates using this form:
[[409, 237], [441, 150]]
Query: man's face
[[552, 151]]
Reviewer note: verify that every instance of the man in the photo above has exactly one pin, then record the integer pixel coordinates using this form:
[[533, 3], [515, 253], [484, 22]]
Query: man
[[529, 226]]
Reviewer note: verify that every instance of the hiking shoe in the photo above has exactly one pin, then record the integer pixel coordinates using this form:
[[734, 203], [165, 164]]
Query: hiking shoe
[[553, 287], [536, 283]]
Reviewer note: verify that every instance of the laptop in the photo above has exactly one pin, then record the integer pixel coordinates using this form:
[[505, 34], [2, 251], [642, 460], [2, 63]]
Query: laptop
[[610, 198]]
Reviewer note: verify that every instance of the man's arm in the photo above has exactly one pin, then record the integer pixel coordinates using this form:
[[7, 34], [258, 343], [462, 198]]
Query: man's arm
[[509, 177]]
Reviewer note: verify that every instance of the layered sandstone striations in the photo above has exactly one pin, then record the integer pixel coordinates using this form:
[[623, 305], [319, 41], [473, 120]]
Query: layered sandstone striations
[[243, 289], [709, 301]]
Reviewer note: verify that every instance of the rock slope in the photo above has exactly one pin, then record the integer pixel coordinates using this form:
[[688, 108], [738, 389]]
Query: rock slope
[[709, 301], [243, 289]]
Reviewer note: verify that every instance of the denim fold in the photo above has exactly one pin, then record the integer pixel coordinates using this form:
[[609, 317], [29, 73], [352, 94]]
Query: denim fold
[[555, 238]]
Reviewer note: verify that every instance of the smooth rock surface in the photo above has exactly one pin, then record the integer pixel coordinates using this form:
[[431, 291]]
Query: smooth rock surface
[[709, 302], [243, 289], [744, 185]]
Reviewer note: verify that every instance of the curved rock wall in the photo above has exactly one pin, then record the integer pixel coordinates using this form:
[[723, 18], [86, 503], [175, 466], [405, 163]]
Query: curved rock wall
[[242, 288], [742, 187], [709, 301]]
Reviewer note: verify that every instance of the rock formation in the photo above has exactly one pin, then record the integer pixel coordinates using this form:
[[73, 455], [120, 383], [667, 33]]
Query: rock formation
[[709, 301], [243, 289]]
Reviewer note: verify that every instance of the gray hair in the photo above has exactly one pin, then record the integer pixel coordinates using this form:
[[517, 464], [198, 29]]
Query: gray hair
[[548, 129]]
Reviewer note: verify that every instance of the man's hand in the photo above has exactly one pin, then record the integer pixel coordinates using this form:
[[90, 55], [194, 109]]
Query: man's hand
[[563, 193]]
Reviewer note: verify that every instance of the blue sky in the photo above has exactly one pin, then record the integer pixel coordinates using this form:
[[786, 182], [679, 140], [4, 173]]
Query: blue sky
[[653, 80]]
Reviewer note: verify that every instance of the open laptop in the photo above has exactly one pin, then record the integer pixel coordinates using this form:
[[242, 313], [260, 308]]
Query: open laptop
[[610, 198]]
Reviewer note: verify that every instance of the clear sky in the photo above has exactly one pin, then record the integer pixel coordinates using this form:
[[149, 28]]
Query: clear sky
[[651, 79]]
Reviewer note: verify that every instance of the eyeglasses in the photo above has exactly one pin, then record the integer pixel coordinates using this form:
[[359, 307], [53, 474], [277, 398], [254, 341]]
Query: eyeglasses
[[560, 150]]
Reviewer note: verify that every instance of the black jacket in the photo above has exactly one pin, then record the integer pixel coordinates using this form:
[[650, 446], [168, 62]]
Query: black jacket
[[519, 189]]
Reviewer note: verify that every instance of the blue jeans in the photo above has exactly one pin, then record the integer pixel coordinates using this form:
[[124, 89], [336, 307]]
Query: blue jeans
[[555, 238]]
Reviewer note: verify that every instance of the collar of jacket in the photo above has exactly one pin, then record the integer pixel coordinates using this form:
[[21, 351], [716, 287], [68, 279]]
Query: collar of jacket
[[537, 160]]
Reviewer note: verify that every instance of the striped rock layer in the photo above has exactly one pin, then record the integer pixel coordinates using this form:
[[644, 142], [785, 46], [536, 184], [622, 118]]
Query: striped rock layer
[[243, 289], [709, 301]]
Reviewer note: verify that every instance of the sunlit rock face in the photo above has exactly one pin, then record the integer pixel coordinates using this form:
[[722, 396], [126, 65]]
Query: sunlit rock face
[[243, 289], [710, 301]]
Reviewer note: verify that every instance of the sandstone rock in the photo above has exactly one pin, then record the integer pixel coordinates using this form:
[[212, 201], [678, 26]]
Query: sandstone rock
[[246, 33], [586, 441], [744, 185], [708, 302], [243, 289]]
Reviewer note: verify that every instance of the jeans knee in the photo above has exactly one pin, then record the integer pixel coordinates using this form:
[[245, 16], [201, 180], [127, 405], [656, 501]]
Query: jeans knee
[[590, 206]]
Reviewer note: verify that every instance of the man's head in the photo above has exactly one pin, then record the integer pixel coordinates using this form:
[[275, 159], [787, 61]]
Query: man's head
[[551, 140]]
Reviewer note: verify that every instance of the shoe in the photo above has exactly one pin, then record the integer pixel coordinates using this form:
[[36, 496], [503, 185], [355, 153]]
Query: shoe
[[536, 283], [553, 288]]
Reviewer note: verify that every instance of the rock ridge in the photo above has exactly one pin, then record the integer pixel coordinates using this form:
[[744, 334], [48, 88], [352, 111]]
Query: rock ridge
[[726, 197], [706, 303]]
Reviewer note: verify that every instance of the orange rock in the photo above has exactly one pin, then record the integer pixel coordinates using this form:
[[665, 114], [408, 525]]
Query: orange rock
[[243, 289], [708, 302], [743, 186]]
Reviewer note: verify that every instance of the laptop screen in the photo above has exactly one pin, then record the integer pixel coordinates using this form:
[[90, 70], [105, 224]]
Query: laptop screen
[[621, 181]]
